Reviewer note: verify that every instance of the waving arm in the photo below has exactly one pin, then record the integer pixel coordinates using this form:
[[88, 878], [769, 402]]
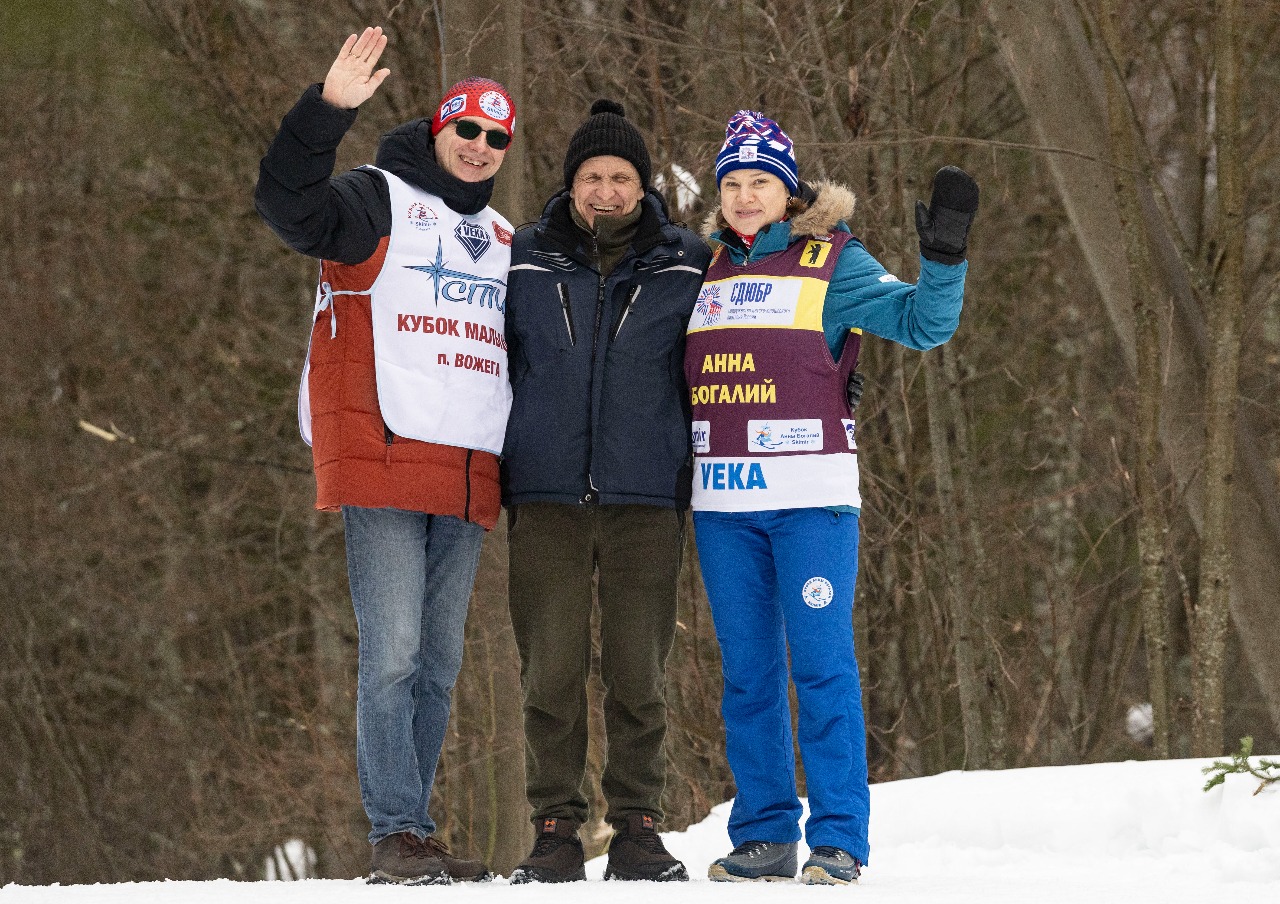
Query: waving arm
[[353, 78]]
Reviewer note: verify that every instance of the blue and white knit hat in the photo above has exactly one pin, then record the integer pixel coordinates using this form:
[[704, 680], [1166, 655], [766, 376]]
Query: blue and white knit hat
[[752, 141]]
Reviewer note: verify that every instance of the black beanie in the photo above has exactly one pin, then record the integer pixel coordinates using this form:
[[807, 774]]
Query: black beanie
[[607, 132]]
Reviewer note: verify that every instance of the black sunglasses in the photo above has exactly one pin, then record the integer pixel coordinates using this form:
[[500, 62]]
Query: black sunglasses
[[495, 138]]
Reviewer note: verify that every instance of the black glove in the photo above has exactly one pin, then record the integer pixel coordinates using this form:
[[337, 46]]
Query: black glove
[[853, 389], [944, 224]]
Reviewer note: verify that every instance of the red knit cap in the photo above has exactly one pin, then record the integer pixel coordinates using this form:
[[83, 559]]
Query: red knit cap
[[476, 97]]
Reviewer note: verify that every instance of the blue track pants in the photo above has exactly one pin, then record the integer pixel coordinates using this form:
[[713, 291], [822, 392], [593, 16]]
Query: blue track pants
[[779, 581]]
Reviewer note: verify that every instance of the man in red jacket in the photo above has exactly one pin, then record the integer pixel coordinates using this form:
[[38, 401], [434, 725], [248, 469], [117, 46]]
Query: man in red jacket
[[405, 400]]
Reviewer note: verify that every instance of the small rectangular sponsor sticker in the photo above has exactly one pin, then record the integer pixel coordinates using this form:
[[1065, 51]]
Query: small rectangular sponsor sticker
[[785, 436], [761, 301], [701, 437]]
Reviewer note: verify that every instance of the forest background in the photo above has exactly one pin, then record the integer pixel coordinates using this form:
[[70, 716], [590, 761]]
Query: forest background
[[1070, 510]]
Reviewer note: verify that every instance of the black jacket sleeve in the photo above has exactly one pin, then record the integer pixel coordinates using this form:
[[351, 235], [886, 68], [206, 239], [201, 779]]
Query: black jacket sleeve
[[340, 218]]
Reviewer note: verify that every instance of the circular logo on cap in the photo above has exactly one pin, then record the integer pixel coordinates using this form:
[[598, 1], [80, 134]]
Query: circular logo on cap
[[494, 106], [817, 593]]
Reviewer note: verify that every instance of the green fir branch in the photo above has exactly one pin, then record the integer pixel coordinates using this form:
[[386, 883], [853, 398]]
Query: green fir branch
[[1267, 771]]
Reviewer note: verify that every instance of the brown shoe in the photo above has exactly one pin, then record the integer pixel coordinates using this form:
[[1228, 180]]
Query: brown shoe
[[459, 870], [636, 853], [402, 859], [556, 856]]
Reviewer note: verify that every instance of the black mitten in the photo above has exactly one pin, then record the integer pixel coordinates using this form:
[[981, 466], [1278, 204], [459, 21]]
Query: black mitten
[[853, 389], [944, 225]]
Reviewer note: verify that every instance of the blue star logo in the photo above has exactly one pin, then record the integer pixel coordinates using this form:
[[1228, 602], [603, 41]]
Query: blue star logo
[[442, 276]]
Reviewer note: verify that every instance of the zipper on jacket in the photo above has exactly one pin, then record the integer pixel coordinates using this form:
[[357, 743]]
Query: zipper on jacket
[[466, 509], [626, 309], [593, 495], [389, 437], [568, 315]]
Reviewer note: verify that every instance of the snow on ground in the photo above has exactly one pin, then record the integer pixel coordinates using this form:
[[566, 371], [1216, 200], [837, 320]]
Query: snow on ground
[[1138, 833]]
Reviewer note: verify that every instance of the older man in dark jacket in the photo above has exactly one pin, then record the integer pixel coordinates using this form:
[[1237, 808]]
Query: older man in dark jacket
[[597, 479]]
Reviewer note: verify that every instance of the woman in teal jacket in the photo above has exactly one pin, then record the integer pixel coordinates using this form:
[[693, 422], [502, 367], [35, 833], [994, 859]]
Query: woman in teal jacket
[[774, 336]]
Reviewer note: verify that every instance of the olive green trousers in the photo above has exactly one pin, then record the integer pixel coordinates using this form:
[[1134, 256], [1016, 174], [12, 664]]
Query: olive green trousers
[[632, 554]]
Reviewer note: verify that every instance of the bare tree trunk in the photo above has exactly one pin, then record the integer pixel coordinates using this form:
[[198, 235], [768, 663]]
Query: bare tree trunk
[[485, 39], [340, 851], [962, 601], [1049, 57], [964, 624], [1209, 638], [509, 829], [947, 430], [1053, 602], [978, 567], [487, 799], [908, 695], [921, 637], [1148, 314]]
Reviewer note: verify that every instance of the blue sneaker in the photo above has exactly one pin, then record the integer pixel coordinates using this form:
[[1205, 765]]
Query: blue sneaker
[[830, 866], [756, 861]]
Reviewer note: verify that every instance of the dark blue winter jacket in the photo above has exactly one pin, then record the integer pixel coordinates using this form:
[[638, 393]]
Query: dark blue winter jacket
[[600, 413]]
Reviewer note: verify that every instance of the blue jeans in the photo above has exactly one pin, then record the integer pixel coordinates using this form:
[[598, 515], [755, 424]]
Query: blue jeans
[[779, 582], [411, 576]]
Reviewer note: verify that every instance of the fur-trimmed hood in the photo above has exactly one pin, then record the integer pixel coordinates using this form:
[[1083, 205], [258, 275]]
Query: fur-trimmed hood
[[831, 203]]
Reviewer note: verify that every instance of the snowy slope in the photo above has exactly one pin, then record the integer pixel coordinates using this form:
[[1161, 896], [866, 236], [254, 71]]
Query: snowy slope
[[1123, 832]]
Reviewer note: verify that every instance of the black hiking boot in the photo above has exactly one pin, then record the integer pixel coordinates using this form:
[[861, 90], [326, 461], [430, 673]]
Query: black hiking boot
[[556, 855], [402, 859], [459, 870], [636, 853]]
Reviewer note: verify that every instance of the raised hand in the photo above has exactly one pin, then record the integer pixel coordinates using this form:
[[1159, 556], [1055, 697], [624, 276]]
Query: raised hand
[[352, 79], [944, 225]]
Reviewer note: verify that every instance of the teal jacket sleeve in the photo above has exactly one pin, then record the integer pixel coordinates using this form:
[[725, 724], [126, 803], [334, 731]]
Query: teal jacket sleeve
[[864, 295]]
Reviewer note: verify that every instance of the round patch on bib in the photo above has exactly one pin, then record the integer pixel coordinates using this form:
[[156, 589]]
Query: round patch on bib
[[817, 593]]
